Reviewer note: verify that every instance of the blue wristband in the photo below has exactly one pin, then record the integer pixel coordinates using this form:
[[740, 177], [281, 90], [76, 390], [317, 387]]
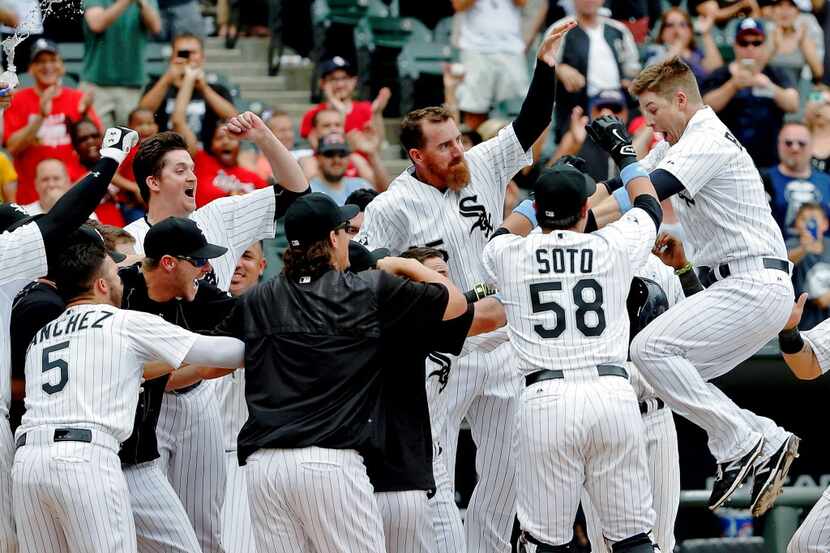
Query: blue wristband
[[621, 195], [526, 208], [632, 171]]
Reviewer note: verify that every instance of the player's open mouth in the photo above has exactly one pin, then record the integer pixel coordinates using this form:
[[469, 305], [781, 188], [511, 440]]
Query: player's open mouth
[[189, 192]]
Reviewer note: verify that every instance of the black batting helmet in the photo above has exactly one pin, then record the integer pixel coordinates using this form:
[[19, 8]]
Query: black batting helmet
[[646, 301]]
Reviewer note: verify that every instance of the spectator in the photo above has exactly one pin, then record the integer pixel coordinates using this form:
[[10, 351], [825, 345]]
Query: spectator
[[797, 40], [282, 126], [207, 104], [180, 17], [794, 181], [116, 239], [337, 83], [333, 158], [36, 123], [116, 32], [86, 140], [51, 182], [750, 97], [8, 179], [817, 117], [810, 253], [722, 11], [361, 198], [599, 54], [328, 121], [675, 38], [142, 121], [492, 52]]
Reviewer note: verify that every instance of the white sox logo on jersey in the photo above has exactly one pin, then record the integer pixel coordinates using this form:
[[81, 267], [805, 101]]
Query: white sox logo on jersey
[[468, 208], [443, 373]]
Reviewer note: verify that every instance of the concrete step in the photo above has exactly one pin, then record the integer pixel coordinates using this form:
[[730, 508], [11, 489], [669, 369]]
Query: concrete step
[[220, 55], [263, 83], [236, 69]]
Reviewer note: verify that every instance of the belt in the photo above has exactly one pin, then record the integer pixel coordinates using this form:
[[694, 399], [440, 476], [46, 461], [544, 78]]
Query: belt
[[651, 405], [709, 275], [62, 435], [186, 389], [602, 370]]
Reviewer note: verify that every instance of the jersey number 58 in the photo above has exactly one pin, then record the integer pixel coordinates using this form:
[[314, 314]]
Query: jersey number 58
[[583, 307]]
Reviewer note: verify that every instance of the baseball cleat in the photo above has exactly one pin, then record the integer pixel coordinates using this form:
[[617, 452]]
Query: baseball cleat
[[731, 475], [117, 143], [770, 476]]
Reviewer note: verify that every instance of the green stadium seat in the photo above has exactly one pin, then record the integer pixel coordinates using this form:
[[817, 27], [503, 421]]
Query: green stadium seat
[[508, 109], [389, 32], [443, 31], [156, 58], [419, 58], [344, 12]]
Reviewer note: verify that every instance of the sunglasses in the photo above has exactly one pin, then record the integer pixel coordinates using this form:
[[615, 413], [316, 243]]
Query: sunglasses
[[331, 155], [195, 261], [680, 24], [748, 43], [792, 143]]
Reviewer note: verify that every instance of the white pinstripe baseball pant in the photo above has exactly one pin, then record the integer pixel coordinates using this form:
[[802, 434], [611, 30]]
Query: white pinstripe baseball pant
[[705, 336], [190, 442], [446, 519], [483, 389], [237, 528], [813, 536], [8, 539], [71, 496], [407, 521], [664, 475], [161, 524], [313, 500], [583, 432]]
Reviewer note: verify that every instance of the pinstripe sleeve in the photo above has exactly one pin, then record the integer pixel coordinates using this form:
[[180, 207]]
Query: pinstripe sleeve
[[493, 253], [153, 338], [22, 254], [633, 233], [695, 160], [384, 226], [498, 159], [655, 156], [819, 339], [244, 219]]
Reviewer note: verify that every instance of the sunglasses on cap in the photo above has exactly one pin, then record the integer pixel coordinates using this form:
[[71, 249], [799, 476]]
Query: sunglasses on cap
[[197, 262], [748, 43], [791, 143]]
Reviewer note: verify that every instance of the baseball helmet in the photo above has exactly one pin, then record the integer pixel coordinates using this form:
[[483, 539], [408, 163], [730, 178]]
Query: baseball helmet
[[646, 301]]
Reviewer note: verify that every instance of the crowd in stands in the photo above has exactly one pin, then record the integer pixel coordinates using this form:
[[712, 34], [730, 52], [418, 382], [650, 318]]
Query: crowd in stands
[[760, 65]]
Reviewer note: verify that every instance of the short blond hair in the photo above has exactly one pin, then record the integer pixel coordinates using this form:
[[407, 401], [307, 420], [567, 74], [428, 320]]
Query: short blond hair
[[665, 78]]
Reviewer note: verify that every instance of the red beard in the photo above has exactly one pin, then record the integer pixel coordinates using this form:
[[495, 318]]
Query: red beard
[[458, 176]]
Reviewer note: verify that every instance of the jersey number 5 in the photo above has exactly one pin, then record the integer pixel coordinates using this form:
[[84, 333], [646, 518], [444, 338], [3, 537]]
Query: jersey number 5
[[583, 307], [48, 364]]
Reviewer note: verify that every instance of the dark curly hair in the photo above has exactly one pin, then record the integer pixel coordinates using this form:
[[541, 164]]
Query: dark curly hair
[[312, 261]]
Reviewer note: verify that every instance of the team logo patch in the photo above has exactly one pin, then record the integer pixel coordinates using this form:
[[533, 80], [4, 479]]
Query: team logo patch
[[443, 373], [468, 207]]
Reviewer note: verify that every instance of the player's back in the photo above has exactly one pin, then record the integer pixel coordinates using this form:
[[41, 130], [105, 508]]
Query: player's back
[[564, 293], [83, 370]]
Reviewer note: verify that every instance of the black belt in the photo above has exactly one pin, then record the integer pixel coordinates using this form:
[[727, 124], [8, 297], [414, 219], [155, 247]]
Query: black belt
[[602, 370], [708, 276], [63, 435], [644, 405], [186, 389]]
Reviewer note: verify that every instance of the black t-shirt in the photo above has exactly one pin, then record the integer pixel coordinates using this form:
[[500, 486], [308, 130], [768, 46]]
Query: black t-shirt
[[210, 306], [752, 114], [405, 462], [200, 118], [312, 355], [35, 305]]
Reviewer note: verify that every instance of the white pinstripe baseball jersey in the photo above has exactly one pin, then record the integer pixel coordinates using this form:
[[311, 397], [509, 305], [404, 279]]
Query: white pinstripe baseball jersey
[[412, 213], [86, 366], [723, 209], [819, 339], [234, 222], [230, 392], [564, 292], [22, 259]]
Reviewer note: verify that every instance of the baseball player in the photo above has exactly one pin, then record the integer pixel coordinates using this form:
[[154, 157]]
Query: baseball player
[[579, 424], [190, 428], [313, 378], [23, 259], [719, 199], [808, 356], [660, 433], [454, 200], [83, 373], [237, 530]]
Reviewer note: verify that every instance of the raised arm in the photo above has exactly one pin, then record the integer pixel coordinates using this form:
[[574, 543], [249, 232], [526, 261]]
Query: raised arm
[[221, 106], [179, 116], [413, 270], [100, 19], [150, 17]]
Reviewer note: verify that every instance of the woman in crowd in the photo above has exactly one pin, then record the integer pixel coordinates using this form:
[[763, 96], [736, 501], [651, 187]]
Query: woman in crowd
[[796, 41], [675, 37]]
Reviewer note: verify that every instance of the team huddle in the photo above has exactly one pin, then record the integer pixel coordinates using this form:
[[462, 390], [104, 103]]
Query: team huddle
[[175, 404]]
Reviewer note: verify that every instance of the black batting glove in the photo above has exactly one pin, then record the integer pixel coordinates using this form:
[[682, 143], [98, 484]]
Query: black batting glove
[[574, 161], [609, 133]]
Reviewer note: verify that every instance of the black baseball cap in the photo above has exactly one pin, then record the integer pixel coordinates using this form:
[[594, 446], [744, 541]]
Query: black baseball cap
[[179, 237], [313, 216], [560, 192], [363, 259], [333, 143], [42, 45], [12, 216], [333, 64]]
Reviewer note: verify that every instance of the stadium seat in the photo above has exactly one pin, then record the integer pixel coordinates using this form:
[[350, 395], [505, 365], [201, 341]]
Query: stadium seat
[[219, 78], [443, 31], [420, 69], [156, 58], [389, 32], [72, 54], [344, 12], [26, 80]]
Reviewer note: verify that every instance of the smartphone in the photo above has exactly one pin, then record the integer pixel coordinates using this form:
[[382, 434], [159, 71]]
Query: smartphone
[[812, 228], [183, 54], [816, 96]]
